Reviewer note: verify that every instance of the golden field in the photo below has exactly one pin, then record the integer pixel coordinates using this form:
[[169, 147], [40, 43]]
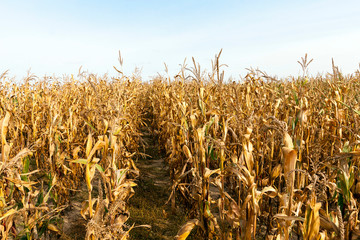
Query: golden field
[[257, 159]]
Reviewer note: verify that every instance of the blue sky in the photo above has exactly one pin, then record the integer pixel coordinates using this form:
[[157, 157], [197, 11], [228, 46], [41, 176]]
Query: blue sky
[[57, 37]]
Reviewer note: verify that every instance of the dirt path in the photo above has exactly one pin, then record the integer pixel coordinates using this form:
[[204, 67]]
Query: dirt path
[[147, 206], [74, 225]]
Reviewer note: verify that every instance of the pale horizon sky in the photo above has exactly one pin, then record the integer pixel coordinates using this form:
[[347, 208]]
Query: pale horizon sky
[[57, 37]]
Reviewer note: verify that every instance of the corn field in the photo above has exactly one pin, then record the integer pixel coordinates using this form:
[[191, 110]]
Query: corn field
[[57, 133], [257, 159]]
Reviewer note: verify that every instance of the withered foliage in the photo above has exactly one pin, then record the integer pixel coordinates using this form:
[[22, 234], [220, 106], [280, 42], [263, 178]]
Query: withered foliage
[[56, 134], [262, 158]]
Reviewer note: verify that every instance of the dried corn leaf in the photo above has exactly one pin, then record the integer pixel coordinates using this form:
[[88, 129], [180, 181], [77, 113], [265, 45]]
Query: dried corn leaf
[[186, 229]]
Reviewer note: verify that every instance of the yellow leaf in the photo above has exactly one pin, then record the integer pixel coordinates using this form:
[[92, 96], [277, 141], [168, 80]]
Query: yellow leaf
[[209, 172], [88, 177], [20, 182], [288, 141], [106, 123], [4, 127], [53, 228], [186, 229], [187, 153], [276, 171], [98, 145], [8, 213], [88, 145], [312, 221], [270, 191]]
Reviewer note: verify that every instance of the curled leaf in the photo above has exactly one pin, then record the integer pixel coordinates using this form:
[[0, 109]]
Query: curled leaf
[[209, 172], [186, 229]]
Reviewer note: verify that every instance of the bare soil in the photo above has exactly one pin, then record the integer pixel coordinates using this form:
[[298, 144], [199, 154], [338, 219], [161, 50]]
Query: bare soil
[[74, 225], [148, 205]]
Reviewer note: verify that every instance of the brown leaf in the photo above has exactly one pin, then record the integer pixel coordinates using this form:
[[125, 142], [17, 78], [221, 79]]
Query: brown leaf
[[288, 218], [290, 157]]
